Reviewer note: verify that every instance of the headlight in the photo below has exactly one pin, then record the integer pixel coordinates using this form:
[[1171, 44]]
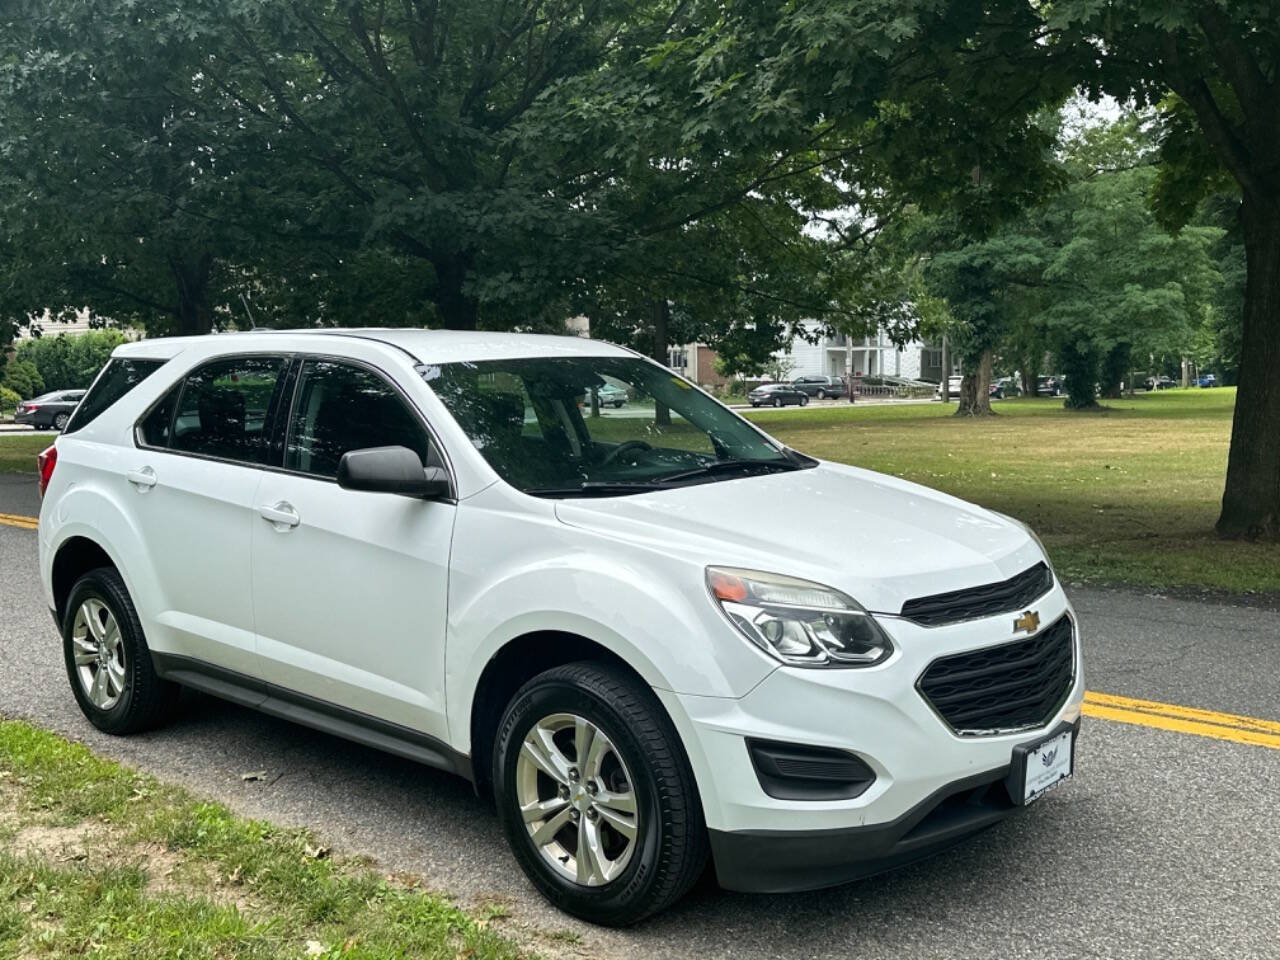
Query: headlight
[[800, 623]]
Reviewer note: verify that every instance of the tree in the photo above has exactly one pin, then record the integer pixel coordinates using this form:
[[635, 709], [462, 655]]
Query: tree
[[1220, 59], [126, 173], [1088, 272]]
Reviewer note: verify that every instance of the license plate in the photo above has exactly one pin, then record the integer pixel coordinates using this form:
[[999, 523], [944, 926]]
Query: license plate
[[1044, 764]]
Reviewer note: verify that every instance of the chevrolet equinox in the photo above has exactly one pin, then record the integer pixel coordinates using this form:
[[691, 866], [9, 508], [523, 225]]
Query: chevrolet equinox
[[651, 633]]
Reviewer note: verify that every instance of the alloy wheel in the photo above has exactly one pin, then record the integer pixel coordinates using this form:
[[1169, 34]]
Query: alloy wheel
[[577, 799], [99, 653]]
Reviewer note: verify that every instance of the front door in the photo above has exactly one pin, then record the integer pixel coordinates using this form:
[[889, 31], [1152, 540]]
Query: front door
[[349, 587]]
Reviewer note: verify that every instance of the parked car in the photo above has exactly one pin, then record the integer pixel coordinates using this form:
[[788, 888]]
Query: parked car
[[777, 395], [1207, 380], [1050, 386], [648, 642], [821, 387], [1159, 383], [612, 395], [1006, 387], [953, 388], [51, 410]]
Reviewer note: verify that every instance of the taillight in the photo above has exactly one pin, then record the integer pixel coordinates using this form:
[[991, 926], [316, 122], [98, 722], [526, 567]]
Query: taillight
[[46, 462]]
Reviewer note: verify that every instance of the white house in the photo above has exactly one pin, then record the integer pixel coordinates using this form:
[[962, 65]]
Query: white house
[[835, 355]]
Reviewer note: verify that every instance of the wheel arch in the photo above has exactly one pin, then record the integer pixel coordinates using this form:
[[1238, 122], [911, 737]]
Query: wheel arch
[[76, 556], [515, 663]]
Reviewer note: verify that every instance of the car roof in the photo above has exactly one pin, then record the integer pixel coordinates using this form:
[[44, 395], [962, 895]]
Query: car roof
[[427, 346]]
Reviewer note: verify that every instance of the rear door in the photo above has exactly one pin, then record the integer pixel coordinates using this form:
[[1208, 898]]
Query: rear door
[[349, 587], [201, 450]]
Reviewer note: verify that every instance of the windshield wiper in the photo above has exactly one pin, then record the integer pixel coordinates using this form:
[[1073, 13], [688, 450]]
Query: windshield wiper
[[731, 466], [600, 488]]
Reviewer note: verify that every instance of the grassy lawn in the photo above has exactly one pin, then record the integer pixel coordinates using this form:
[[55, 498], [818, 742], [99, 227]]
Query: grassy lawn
[[1125, 495], [18, 451], [96, 860]]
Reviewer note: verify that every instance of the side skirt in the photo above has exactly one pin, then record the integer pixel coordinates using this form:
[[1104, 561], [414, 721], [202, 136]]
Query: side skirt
[[311, 712]]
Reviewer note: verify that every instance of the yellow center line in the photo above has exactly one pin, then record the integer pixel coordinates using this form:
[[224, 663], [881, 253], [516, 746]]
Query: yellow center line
[[1168, 716], [14, 520]]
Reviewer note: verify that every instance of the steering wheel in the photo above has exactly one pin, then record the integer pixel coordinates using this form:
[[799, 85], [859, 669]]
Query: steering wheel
[[622, 448]]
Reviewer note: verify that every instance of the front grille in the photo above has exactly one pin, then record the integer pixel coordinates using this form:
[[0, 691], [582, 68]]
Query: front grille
[[1011, 686], [984, 601]]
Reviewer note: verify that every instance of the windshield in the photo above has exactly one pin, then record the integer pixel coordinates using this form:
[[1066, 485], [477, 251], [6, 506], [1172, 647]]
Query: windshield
[[599, 426]]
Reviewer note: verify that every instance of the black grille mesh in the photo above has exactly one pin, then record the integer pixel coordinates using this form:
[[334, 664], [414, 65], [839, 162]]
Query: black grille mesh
[[985, 601], [1006, 687]]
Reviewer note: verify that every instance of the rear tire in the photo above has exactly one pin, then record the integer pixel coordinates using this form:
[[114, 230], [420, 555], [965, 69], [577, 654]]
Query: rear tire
[[635, 775], [107, 658]]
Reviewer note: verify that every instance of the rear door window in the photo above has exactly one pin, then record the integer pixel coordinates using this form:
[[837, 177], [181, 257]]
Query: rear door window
[[224, 409], [118, 377]]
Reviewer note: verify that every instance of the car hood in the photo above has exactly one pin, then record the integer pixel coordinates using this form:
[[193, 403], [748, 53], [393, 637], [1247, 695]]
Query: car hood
[[880, 539]]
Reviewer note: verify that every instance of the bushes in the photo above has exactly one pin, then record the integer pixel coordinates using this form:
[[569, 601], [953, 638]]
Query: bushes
[[8, 402], [22, 377], [69, 362]]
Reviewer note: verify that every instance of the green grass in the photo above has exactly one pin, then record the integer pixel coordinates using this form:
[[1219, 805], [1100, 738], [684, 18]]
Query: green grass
[[97, 860], [18, 451], [1125, 495]]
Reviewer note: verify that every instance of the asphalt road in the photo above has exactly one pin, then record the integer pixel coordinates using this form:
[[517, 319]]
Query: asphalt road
[[1164, 844]]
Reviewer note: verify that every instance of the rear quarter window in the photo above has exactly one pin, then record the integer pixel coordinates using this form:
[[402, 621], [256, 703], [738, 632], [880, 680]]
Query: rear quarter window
[[118, 377]]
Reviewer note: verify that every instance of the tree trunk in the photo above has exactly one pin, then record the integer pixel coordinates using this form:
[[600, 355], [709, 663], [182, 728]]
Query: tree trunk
[[975, 390], [1114, 366], [1251, 503], [661, 415], [194, 314], [1080, 367], [457, 309]]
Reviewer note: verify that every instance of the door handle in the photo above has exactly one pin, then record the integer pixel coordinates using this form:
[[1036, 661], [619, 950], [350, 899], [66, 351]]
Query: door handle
[[143, 479], [281, 514]]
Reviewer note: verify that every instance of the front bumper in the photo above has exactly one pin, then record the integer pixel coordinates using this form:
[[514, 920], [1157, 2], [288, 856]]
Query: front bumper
[[932, 786], [788, 861]]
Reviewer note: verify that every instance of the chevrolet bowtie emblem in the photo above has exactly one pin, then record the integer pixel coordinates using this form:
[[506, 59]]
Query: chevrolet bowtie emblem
[[1029, 621]]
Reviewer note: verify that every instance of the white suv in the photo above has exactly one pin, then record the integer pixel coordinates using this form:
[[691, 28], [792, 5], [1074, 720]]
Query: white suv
[[652, 634]]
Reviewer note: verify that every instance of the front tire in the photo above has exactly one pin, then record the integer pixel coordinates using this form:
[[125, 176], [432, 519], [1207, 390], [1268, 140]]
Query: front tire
[[107, 658], [804, 401], [822, 394], [60, 422], [778, 403], [596, 796]]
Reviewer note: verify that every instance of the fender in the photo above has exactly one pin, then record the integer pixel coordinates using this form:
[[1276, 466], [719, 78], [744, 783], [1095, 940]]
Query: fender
[[116, 534], [670, 639]]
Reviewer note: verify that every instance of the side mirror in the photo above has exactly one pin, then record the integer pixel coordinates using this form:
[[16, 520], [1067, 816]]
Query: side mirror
[[391, 470]]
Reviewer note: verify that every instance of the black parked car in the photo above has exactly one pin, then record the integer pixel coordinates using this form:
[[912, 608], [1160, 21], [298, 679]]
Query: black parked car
[[1050, 386], [777, 395], [821, 387], [50, 410]]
